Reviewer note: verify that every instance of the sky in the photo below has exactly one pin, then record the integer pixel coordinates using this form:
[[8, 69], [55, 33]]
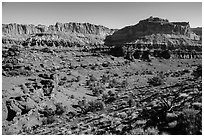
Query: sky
[[113, 15]]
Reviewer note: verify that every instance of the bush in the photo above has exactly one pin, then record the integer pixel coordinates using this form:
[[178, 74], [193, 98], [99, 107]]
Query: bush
[[190, 122], [105, 79], [46, 111], [198, 72], [113, 83], [124, 84], [108, 98], [98, 90], [91, 106], [60, 109], [155, 81], [95, 106], [118, 51], [165, 54], [48, 120], [91, 80], [78, 78]]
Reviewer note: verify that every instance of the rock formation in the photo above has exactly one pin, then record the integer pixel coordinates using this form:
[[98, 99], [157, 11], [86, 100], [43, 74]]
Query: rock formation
[[155, 30], [72, 33], [197, 31]]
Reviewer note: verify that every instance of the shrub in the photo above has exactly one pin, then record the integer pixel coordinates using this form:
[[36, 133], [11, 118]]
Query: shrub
[[155, 81], [124, 84], [48, 120], [60, 109], [113, 83], [97, 90], [108, 98], [91, 80], [78, 78], [91, 106], [190, 122], [46, 111], [95, 106], [25, 72], [117, 51], [197, 72], [105, 79]]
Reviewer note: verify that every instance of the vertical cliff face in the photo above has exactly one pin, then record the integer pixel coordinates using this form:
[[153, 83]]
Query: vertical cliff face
[[78, 33], [197, 31], [84, 28], [18, 29], [151, 26]]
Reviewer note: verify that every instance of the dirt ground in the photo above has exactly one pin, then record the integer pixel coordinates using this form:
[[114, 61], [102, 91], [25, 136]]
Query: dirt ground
[[73, 92]]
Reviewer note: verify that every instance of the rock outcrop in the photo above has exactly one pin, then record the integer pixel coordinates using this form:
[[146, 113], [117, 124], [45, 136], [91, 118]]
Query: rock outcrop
[[197, 31], [151, 29], [72, 33]]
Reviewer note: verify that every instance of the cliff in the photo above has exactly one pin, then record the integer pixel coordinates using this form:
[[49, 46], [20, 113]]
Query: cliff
[[197, 31], [75, 33], [173, 32]]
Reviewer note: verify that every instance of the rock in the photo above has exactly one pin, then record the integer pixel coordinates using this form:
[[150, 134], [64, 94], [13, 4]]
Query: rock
[[197, 105], [24, 88], [184, 95], [33, 122], [120, 127], [47, 105], [172, 124], [134, 115], [141, 122], [13, 129], [155, 30], [4, 111], [71, 34], [38, 95], [16, 92], [30, 104], [24, 122], [105, 64], [171, 117], [197, 31], [123, 115]]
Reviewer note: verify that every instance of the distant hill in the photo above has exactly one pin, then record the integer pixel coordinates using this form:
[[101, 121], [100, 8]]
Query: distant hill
[[69, 33], [155, 30]]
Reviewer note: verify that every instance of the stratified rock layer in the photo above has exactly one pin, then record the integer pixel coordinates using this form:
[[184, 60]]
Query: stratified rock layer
[[155, 30], [72, 33]]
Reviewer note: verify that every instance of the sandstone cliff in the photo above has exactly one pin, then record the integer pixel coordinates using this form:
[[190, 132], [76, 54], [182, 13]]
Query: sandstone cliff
[[74, 33], [154, 30], [197, 31]]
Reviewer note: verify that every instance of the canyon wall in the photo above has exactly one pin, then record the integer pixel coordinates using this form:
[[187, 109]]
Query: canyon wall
[[152, 29], [73, 33]]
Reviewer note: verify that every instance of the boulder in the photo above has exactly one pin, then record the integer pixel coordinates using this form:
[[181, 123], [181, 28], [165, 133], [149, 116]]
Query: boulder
[[171, 117], [4, 111], [197, 105]]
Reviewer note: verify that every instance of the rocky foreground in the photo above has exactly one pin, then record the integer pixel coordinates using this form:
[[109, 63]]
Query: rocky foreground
[[67, 91]]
